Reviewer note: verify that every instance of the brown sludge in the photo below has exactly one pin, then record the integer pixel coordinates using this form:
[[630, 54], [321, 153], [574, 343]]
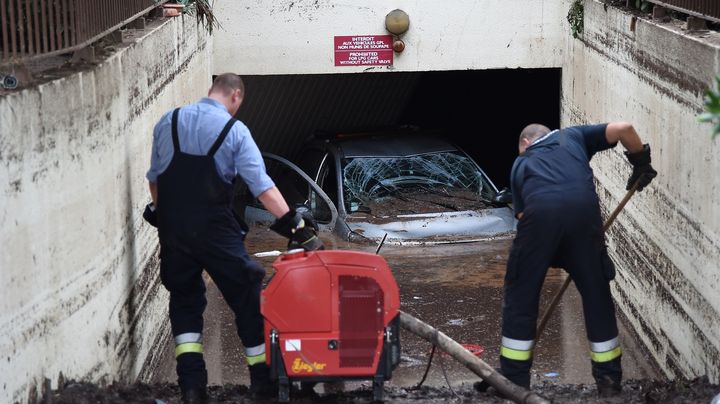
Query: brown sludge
[[457, 289]]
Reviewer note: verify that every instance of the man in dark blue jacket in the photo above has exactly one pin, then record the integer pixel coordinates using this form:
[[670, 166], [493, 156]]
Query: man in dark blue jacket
[[559, 225]]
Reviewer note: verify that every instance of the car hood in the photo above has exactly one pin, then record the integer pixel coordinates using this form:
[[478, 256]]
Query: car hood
[[435, 228]]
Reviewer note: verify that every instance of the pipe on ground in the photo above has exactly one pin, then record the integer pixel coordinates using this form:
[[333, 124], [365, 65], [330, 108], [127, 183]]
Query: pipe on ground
[[478, 366]]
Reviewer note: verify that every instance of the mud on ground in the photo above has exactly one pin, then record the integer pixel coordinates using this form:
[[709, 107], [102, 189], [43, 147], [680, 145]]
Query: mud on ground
[[456, 288], [634, 391]]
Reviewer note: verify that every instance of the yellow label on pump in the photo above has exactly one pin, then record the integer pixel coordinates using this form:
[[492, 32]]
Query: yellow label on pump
[[300, 366]]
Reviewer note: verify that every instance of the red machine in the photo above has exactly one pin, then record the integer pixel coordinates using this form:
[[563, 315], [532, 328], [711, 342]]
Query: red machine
[[331, 315]]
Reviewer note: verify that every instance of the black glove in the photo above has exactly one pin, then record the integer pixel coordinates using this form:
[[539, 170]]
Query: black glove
[[150, 214], [301, 231], [642, 169]]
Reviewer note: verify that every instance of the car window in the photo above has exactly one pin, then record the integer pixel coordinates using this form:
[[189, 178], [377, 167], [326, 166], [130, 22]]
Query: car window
[[313, 162], [310, 159], [327, 177], [293, 187], [415, 184]]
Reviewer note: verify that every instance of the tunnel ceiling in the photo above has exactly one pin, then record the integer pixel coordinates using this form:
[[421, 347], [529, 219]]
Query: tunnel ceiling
[[482, 111], [283, 111]]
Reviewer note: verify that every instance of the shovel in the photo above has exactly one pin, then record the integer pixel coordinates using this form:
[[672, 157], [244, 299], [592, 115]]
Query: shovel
[[558, 295]]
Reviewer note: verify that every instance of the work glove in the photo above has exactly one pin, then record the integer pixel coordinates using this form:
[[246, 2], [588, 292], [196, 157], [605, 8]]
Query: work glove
[[642, 169], [300, 230], [150, 214]]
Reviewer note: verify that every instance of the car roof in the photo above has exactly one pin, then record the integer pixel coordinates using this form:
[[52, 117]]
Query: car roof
[[393, 146]]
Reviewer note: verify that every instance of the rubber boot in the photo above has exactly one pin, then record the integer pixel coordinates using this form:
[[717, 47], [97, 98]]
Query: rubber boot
[[608, 377], [484, 387], [608, 388], [195, 396], [192, 378], [516, 371], [261, 387]]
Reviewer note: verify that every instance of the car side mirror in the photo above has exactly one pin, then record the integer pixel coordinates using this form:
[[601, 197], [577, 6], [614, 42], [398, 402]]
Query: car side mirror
[[503, 197]]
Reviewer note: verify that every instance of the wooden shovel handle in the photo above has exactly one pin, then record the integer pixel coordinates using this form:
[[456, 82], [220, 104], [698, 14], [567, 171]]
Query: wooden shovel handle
[[559, 294]]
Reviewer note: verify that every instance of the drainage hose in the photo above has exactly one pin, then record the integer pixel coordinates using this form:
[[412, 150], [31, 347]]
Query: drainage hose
[[476, 365]]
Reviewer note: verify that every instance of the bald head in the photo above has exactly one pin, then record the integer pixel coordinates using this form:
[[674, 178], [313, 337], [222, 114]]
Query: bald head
[[531, 133]]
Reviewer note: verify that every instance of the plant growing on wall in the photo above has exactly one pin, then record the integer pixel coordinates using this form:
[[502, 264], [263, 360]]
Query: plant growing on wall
[[643, 5], [712, 107], [202, 9], [576, 18]]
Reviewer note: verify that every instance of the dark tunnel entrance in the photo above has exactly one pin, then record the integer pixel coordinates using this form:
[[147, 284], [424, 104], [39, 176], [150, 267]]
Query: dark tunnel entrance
[[482, 111]]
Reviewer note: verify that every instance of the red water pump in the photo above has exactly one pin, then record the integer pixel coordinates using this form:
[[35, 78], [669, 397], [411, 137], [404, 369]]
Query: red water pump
[[330, 316]]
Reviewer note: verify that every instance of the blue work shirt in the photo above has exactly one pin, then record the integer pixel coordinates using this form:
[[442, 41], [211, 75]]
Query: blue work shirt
[[559, 164], [199, 125]]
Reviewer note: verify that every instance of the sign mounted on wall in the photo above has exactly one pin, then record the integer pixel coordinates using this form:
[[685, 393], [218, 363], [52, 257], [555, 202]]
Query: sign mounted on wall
[[364, 50]]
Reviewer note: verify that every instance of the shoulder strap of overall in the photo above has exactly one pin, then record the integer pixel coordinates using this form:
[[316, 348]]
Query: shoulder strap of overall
[[221, 138], [176, 142]]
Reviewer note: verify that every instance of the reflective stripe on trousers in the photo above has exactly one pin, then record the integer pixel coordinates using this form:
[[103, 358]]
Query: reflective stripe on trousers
[[516, 349], [189, 342], [255, 354], [605, 351]]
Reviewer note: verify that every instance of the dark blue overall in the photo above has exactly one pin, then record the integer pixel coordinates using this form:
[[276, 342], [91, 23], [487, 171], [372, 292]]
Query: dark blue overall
[[197, 231], [552, 185]]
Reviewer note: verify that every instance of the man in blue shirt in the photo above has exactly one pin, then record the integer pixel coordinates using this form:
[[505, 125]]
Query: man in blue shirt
[[197, 152], [559, 225]]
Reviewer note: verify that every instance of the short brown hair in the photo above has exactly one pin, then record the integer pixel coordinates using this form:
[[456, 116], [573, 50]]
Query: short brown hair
[[227, 83], [533, 131]]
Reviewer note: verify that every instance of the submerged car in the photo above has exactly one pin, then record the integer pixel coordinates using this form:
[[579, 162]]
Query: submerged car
[[401, 189]]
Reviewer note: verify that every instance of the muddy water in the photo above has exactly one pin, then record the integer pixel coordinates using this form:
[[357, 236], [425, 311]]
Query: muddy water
[[457, 289]]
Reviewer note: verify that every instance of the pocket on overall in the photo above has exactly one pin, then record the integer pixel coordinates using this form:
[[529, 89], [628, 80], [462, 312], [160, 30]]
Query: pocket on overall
[[608, 267]]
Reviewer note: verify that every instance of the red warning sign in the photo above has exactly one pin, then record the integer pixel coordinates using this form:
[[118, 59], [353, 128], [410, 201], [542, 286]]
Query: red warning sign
[[364, 50]]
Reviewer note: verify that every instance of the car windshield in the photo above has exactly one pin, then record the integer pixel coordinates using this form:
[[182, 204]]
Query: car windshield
[[416, 184]]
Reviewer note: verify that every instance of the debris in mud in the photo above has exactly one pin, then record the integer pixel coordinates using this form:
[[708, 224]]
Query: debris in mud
[[413, 184], [634, 391], [422, 200]]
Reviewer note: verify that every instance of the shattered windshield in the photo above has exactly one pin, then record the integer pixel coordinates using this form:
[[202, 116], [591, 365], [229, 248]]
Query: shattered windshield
[[417, 184]]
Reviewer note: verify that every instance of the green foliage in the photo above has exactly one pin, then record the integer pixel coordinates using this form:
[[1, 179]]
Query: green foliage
[[644, 6], [576, 18], [712, 107], [202, 9]]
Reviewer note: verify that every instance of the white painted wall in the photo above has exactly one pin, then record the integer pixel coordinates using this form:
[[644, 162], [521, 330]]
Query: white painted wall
[[79, 291], [667, 240], [296, 36]]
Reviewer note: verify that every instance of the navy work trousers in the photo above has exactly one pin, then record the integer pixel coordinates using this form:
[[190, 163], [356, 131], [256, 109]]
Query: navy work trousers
[[238, 278], [560, 231]]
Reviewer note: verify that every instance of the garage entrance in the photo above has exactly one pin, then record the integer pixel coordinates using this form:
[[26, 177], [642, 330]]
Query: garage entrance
[[483, 111]]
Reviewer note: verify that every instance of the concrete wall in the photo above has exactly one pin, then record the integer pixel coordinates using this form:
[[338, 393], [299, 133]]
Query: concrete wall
[[78, 272], [666, 241], [296, 36]]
